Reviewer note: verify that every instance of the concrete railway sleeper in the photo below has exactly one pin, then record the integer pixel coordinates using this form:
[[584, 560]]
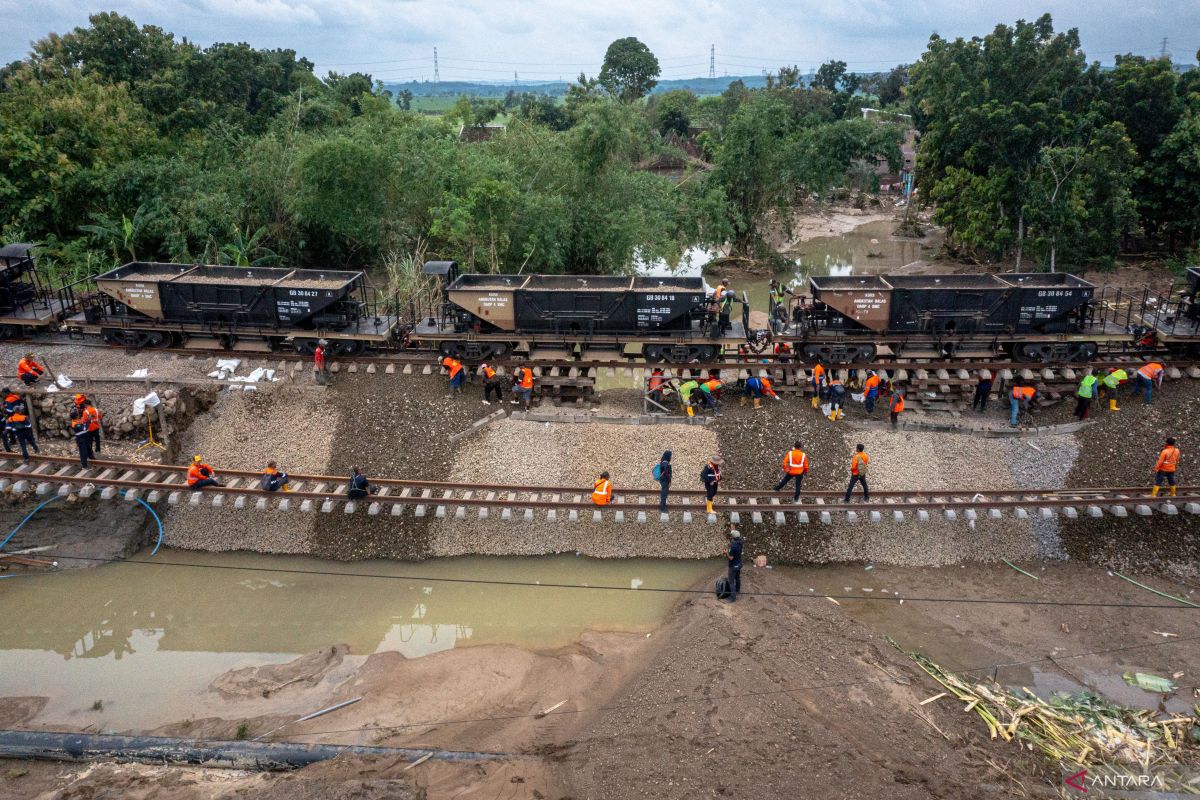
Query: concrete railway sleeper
[[154, 483]]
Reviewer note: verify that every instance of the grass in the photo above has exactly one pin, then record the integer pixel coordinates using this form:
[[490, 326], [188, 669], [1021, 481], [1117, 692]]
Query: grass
[[243, 731], [98, 705]]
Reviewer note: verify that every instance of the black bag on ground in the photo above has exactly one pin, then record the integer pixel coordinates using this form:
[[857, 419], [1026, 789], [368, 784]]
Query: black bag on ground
[[722, 588]]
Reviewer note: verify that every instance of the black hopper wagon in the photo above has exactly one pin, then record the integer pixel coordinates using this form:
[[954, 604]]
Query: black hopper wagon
[[490, 316], [1028, 316], [27, 305], [150, 304]]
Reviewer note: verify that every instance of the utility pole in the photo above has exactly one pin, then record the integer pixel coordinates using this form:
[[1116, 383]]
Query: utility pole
[[712, 61], [436, 77], [1162, 53]]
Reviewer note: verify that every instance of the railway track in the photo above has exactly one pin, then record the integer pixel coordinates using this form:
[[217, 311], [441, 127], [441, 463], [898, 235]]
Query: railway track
[[55, 475]]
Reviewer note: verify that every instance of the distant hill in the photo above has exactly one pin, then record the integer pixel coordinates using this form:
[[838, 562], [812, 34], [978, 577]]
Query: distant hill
[[701, 86]]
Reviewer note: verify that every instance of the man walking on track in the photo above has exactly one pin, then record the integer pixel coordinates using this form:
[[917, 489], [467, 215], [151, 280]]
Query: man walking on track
[[1165, 467], [795, 466], [858, 474]]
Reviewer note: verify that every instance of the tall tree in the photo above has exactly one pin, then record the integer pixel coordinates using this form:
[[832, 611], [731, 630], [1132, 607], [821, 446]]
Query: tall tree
[[630, 70]]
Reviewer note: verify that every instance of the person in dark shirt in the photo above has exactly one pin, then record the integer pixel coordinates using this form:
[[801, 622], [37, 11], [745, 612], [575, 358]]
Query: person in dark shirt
[[359, 487], [664, 481], [734, 555]]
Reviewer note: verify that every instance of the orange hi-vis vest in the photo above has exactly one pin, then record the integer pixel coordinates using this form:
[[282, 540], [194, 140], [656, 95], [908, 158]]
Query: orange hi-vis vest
[[197, 472], [897, 403], [27, 366], [795, 462], [91, 415], [1168, 459], [870, 383], [859, 458], [1023, 392], [489, 373], [455, 366], [766, 387], [526, 378], [818, 373], [1151, 371], [602, 492]]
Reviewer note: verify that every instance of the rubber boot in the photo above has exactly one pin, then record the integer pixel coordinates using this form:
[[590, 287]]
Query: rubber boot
[[1112, 404], [816, 402], [691, 413], [758, 402], [708, 506], [1173, 491], [1154, 491], [840, 413], [833, 416], [742, 401]]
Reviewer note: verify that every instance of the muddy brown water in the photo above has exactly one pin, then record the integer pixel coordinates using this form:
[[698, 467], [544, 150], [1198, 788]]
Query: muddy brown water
[[146, 641]]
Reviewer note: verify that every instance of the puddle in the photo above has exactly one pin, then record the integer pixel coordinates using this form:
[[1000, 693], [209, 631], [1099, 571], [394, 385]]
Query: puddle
[[148, 640]]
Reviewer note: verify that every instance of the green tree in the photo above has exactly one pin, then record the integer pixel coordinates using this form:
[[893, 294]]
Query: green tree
[[672, 111], [404, 99], [630, 70]]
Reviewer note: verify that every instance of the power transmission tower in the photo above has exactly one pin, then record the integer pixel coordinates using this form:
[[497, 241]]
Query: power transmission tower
[[712, 61], [436, 77]]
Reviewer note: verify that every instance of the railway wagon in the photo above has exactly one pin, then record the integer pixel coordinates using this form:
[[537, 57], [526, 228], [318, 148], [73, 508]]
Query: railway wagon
[[155, 304], [563, 310], [26, 303]]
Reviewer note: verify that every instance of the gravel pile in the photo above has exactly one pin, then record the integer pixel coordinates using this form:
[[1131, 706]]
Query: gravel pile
[[1043, 463], [79, 361], [292, 425], [552, 454]]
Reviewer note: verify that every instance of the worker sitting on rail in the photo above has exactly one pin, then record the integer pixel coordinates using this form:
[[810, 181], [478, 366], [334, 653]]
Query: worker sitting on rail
[[491, 384], [1148, 377], [1165, 467], [83, 441], [522, 387], [871, 391], [602, 491], [837, 396], [1109, 385], [457, 374], [818, 380], [795, 467], [710, 393], [200, 475], [273, 480], [91, 416], [359, 486], [686, 390], [29, 370], [1020, 399]]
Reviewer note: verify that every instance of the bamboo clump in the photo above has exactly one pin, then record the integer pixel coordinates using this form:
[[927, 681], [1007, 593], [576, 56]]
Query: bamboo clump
[[1083, 729]]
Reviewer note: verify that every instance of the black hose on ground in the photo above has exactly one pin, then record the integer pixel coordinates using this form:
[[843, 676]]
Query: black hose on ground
[[51, 746]]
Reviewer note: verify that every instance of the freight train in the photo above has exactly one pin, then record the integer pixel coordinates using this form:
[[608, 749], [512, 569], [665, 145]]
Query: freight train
[[1031, 317], [1028, 317]]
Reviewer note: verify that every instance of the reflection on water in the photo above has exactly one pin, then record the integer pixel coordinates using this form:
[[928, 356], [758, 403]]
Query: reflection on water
[[145, 638]]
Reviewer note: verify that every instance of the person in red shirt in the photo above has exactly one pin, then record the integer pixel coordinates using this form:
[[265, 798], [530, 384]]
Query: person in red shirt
[[1165, 467], [320, 368]]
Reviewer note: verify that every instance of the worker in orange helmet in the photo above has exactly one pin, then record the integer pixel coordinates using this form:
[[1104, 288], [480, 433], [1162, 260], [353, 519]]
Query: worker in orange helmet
[[602, 490], [1165, 467], [29, 370], [92, 418], [200, 475]]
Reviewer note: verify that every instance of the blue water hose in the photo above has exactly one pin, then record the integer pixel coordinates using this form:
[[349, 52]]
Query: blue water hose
[[44, 503]]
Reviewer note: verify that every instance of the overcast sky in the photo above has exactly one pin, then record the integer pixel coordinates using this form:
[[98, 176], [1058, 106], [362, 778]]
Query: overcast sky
[[548, 39]]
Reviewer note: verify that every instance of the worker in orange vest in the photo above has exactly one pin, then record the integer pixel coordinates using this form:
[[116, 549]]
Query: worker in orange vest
[[1020, 398], [29, 370], [858, 473], [491, 384], [1148, 377], [896, 406], [871, 390], [457, 374], [17, 420], [92, 418], [655, 384], [200, 474], [818, 380], [273, 480], [522, 387], [795, 467], [602, 490], [1164, 468]]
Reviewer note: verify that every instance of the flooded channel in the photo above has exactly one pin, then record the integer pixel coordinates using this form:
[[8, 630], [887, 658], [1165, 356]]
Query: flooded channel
[[144, 641]]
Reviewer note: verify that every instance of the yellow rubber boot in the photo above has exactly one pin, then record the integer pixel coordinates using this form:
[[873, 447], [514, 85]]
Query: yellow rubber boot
[[1154, 492], [1112, 404], [691, 413], [815, 402], [742, 401], [1173, 491], [708, 505], [758, 402]]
